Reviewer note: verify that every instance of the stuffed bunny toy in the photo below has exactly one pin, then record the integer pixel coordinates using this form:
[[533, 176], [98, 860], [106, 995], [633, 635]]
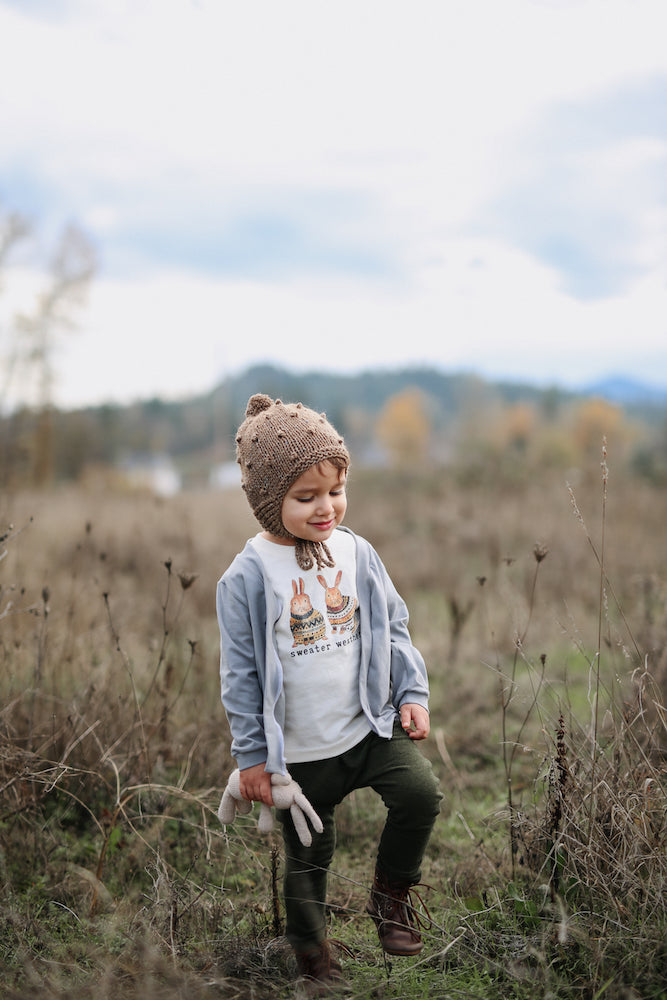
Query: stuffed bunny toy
[[286, 793]]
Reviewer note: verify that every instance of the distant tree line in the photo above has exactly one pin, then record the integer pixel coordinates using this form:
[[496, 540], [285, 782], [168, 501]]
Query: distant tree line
[[406, 418]]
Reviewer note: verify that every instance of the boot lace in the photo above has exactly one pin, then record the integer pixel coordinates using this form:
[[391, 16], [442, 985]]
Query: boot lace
[[397, 904]]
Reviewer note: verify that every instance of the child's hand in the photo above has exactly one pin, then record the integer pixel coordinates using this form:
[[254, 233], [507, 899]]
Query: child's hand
[[288, 796], [415, 721], [255, 784]]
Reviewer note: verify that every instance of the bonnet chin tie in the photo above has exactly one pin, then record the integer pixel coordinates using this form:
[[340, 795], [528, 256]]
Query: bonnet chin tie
[[308, 553]]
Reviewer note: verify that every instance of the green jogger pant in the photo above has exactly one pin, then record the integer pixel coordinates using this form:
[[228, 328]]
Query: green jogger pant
[[403, 777]]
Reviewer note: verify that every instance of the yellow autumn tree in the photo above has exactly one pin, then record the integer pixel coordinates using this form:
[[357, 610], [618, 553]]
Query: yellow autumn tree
[[594, 420], [403, 428]]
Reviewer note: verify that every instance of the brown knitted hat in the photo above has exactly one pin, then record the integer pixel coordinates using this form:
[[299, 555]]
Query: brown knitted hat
[[276, 443]]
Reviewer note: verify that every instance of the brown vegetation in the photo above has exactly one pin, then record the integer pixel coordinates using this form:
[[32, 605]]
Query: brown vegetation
[[541, 613]]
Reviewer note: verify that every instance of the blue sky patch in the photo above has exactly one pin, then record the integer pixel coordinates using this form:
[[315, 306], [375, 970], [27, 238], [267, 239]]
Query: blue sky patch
[[575, 207]]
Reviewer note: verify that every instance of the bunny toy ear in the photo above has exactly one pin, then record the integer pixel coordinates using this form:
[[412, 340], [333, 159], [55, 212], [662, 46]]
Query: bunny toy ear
[[232, 802]]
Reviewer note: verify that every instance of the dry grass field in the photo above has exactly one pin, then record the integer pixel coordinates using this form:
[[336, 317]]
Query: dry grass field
[[541, 612]]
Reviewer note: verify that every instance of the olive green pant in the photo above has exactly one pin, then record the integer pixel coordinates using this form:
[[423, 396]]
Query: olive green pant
[[401, 775]]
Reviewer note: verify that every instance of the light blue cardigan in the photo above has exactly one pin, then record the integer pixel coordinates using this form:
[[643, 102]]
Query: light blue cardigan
[[392, 671]]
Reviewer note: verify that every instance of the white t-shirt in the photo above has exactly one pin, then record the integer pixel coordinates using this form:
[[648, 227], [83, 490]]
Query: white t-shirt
[[317, 636]]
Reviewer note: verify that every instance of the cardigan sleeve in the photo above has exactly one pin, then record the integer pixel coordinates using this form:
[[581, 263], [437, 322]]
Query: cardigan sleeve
[[395, 672], [409, 677], [240, 679]]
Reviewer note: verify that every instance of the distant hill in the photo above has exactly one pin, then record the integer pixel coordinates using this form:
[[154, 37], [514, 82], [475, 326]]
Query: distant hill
[[628, 392], [369, 390]]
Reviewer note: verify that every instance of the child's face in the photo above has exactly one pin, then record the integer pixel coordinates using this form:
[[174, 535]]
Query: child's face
[[315, 503]]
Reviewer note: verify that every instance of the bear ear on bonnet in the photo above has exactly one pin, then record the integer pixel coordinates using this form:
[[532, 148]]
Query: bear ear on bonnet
[[258, 403]]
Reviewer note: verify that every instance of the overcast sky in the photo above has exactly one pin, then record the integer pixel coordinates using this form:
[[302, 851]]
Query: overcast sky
[[475, 184]]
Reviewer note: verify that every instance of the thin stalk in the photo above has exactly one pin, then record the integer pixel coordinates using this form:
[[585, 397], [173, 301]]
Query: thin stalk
[[605, 477], [126, 663]]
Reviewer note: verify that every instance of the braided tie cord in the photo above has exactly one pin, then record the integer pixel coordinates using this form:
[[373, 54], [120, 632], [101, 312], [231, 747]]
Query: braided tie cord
[[309, 553]]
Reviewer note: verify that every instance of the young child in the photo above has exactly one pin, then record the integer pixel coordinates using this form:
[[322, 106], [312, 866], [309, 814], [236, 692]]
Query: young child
[[320, 678]]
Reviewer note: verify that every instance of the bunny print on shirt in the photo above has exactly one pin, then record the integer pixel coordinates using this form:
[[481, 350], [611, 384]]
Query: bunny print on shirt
[[340, 609], [307, 623]]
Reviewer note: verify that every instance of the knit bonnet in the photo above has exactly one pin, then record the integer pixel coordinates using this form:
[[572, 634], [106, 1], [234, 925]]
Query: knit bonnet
[[276, 443]]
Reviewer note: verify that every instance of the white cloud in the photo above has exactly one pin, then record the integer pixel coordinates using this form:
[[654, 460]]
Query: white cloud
[[348, 183], [477, 307]]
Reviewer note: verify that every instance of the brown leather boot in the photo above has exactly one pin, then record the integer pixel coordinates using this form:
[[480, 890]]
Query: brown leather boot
[[322, 974], [397, 923]]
